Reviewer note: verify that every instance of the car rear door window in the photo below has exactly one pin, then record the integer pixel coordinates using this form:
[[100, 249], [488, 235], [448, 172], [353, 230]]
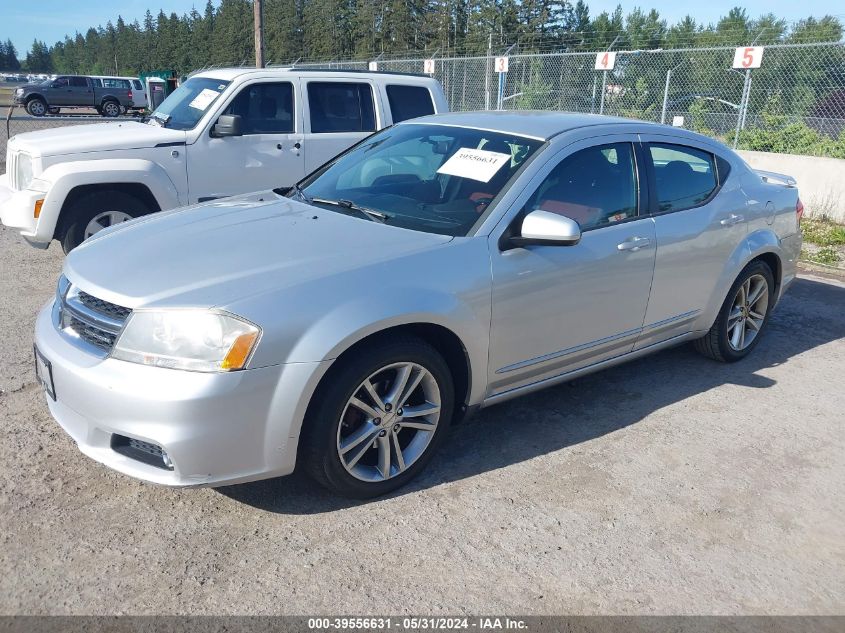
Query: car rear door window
[[79, 82], [137, 84], [409, 102], [596, 186], [341, 107], [685, 177], [265, 108]]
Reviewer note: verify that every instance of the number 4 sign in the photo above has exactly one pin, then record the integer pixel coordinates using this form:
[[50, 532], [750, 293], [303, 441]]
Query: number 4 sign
[[748, 57], [428, 66], [606, 60]]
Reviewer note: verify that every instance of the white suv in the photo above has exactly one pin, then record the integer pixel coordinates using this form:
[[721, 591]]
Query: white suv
[[223, 132]]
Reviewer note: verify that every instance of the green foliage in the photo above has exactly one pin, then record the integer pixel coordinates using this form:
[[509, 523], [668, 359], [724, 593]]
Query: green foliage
[[827, 256], [822, 232]]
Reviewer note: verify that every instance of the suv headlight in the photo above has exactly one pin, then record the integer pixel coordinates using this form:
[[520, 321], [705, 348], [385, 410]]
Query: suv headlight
[[19, 91], [24, 175], [195, 340]]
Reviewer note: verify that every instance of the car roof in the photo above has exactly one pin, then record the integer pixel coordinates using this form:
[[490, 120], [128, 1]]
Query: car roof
[[228, 74], [537, 124]]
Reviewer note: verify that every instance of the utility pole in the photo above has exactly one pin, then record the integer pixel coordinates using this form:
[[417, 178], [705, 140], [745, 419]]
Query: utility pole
[[258, 14]]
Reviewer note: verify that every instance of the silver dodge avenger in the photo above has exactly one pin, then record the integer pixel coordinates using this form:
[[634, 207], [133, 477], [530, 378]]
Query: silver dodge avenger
[[440, 266]]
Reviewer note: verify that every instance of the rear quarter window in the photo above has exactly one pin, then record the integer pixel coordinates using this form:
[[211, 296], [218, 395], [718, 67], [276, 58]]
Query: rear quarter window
[[409, 102]]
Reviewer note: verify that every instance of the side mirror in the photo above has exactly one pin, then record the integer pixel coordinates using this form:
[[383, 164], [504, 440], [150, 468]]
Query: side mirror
[[228, 125], [549, 229]]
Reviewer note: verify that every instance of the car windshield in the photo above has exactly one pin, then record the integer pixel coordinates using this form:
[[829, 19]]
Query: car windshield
[[185, 106], [432, 178]]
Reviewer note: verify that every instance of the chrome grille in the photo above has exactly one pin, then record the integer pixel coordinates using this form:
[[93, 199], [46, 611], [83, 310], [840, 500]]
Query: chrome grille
[[104, 307], [92, 320], [12, 168]]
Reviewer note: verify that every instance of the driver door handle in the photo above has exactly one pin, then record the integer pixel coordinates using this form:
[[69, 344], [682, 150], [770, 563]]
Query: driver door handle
[[732, 219], [634, 244]]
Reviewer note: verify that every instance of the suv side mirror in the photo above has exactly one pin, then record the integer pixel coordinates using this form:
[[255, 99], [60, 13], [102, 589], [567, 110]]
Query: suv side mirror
[[228, 125], [549, 229]]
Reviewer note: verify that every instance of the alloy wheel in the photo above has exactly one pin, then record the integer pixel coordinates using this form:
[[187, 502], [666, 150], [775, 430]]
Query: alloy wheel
[[103, 221], [748, 312], [389, 422]]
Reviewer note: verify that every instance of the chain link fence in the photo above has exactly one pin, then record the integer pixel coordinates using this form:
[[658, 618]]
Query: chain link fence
[[794, 103]]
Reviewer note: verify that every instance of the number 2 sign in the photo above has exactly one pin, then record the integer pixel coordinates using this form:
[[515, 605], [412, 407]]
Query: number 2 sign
[[428, 66], [606, 60], [748, 57]]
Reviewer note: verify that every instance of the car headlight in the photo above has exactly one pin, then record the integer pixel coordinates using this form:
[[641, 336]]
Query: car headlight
[[196, 340], [19, 91], [24, 175]]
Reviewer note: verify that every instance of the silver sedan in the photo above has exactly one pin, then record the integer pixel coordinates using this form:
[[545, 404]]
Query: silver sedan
[[443, 265]]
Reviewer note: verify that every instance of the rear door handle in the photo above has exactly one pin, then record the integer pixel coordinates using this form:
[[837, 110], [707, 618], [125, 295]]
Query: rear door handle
[[634, 244], [732, 219]]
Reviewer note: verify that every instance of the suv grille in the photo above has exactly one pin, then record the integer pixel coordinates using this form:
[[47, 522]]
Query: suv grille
[[93, 320], [12, 168]]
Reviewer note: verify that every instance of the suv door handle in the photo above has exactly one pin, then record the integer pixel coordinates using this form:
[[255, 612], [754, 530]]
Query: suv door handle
[[732, 219], [634, 244]]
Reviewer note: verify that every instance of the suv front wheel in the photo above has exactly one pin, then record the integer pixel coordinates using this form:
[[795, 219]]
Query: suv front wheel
[[379, 418], [96, 211]]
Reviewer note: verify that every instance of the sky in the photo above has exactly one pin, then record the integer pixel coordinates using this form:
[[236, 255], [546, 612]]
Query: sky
[[50, 20]]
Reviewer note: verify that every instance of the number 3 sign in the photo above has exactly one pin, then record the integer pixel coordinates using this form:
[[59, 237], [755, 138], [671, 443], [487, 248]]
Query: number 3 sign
[[748, 57], [606, 60], [501, 64]]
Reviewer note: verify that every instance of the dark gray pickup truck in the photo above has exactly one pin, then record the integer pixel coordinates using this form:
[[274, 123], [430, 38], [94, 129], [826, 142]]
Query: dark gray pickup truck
[[73, 91]]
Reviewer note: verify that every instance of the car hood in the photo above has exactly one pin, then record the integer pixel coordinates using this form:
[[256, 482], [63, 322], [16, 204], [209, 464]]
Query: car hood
[[97, 137], [217, 253]]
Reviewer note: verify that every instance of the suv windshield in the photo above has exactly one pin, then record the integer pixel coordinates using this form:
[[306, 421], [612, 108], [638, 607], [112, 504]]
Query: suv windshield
[[185, 106], [432, 178]]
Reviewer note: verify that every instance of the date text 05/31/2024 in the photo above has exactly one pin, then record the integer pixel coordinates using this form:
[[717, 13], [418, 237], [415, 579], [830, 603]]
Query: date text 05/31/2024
[[416, 623]]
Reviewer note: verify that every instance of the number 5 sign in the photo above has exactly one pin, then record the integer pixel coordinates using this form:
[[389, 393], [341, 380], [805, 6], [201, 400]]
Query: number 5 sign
[[748, 57], [428, 66], [501, 64], [606, 60]]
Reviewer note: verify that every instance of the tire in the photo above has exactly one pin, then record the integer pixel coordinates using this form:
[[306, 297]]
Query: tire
[[79, 216], [110, 109], [333, 421], [36, 106], [720, 342]]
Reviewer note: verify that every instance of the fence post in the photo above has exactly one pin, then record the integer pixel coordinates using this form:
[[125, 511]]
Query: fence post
[[603, 90], [740, 113], [665, 96], [487, 71]]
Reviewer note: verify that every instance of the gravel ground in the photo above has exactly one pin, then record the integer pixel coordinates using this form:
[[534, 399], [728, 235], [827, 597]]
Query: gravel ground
[[671, 485]]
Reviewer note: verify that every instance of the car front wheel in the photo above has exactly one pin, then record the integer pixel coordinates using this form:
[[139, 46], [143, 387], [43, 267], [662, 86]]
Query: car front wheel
[[37, 106], [742, 317], [96, 211], [378, 419]]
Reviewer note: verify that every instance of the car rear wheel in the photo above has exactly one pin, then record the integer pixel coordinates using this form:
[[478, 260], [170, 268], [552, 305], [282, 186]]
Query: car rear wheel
[[742, 317], [378, 419], [36, 106], [110, 109], [97, 211]]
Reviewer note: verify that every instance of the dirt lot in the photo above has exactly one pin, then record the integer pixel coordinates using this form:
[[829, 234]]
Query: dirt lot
[[670, 485]]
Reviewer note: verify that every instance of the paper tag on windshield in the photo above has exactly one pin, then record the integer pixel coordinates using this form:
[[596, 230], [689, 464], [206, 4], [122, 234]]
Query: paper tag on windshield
[[202, 100], [477, 164]]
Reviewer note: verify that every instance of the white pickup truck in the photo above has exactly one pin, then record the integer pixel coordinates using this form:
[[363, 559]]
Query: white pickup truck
[[223, 132]]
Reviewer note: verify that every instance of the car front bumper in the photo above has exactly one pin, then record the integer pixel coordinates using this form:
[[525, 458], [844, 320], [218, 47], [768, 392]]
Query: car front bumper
[[216, 428], [17, 211]]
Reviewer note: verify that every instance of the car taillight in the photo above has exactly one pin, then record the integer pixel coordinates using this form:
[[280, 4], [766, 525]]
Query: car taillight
[[799, 210], [130, 94]]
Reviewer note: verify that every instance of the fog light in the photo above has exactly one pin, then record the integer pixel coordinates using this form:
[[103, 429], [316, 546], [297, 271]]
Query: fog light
[[166, 459]]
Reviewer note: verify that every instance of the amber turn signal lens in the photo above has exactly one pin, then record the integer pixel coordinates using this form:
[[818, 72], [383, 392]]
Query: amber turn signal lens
[[37, 211], [239, 352]]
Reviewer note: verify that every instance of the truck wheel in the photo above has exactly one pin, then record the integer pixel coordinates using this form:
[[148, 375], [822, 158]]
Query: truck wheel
[[96, 211], [110, 109], [36, 106]]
